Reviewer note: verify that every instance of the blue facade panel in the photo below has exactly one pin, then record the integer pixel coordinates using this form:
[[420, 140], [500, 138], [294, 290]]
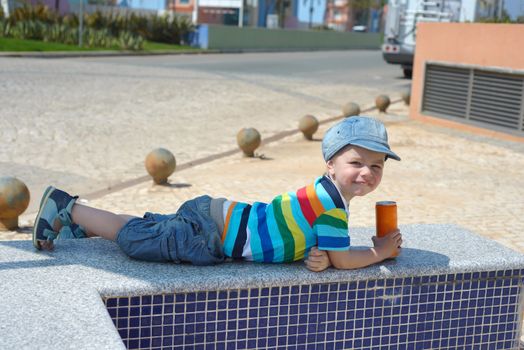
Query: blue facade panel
[[157, 5], [304, 13]]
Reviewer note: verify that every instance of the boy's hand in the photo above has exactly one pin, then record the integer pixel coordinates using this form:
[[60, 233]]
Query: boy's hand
[[389, 245], [317, 260]]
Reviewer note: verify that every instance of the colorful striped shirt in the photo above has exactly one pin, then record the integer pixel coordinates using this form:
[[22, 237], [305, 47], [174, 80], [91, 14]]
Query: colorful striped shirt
[[288, 227]]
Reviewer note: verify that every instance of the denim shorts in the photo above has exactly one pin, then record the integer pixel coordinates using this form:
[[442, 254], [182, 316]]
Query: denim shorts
[[190, 235]]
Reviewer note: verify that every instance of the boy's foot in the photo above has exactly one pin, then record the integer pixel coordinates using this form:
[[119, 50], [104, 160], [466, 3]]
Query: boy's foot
[[55, 211]]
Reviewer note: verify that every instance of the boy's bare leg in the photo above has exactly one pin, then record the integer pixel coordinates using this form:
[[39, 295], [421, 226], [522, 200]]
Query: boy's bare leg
[[96, 222], [99, 222]]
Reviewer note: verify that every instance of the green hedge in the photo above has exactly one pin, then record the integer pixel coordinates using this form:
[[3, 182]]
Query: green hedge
[[107, 30]]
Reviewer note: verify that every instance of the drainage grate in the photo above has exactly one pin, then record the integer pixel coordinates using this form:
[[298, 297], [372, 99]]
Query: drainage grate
[[486, 97]]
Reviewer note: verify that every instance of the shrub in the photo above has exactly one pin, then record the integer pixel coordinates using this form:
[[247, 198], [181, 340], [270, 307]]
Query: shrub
[[128, 41], [28, 30], [100, 29], [70, 20], [38, 12], [61, 33], [99, 20], [3, 25]]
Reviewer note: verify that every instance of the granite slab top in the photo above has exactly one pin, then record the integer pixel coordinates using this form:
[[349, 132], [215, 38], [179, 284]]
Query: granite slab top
[[54, 299]]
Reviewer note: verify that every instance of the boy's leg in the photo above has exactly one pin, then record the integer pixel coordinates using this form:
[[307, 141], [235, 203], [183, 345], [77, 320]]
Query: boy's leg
[[99, 222], [96, 222], [55, 219]]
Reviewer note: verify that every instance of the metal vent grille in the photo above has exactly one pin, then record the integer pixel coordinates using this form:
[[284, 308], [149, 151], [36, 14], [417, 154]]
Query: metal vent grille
[[482, 96], [446, 91], [496, 99]]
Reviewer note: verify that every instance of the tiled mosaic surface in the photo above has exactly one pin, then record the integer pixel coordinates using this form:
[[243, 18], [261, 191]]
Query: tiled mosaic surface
[[467, 311]]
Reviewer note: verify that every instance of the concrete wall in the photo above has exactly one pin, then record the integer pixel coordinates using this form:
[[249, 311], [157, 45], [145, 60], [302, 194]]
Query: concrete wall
[[473, 44], [234, 38]]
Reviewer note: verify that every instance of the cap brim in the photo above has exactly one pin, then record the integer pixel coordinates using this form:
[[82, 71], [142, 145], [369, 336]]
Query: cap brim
[[377, 147]]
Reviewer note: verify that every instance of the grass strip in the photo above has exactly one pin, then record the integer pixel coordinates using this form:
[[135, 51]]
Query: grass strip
[[23, 45]]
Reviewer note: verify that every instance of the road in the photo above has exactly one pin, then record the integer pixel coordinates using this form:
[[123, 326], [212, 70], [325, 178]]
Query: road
[[85, 124], [357, 67]]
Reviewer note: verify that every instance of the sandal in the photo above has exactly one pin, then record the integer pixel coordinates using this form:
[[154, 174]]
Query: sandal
[[55, 204]]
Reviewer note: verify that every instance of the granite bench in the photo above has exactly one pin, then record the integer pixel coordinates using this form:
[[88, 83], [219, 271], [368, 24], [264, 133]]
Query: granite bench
[[450, 288]]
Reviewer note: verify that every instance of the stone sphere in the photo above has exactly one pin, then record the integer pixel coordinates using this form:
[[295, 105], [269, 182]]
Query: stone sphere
[[382, 102], [160, 164], [14, 199], [406, 97], [248, 140], [308, 124], [350, 109]]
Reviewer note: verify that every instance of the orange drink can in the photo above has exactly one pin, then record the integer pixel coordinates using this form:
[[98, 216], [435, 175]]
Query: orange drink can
[[386, 216]]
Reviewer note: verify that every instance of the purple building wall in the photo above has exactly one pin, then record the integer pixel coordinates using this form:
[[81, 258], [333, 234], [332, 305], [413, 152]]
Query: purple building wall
[[62, 6]]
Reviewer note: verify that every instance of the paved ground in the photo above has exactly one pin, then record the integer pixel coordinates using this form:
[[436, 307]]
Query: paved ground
[[445, 176], [88, 123]]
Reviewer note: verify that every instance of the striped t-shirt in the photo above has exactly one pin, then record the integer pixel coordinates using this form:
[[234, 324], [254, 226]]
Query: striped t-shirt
[[286, 229]]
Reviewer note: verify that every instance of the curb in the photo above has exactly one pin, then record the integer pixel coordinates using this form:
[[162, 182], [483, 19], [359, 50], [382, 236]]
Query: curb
[[79, 54]]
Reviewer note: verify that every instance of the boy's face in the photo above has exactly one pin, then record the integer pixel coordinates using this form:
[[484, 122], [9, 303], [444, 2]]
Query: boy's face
[[356, 170]]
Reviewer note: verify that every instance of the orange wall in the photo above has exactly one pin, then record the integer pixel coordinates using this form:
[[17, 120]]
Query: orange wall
[[479, 44]]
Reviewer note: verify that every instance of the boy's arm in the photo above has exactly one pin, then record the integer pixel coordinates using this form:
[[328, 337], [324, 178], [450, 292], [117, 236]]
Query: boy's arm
[[384, 248], [354, 259]]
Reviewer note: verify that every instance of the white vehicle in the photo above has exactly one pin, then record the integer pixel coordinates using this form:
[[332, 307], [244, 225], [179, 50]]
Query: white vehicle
[[403, 15]]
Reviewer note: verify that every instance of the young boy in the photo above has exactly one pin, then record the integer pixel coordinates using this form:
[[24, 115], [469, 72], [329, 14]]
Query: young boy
[[208, 230]]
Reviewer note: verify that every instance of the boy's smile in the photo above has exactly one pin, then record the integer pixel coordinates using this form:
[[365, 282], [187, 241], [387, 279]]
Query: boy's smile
[[356, 171]]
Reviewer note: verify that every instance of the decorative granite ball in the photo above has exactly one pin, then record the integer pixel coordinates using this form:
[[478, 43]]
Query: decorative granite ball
[[308, 124], [14, 199], [406, 97], [350, 109], [160, 164], [382, 102], [248, 139]]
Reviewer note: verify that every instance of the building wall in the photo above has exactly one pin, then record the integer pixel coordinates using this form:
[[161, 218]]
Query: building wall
[[477, 44], [339, 15], [319, 10], [157, 5], [270, 7], [182, 7], [62, 6], [68, 6], [218, 15]]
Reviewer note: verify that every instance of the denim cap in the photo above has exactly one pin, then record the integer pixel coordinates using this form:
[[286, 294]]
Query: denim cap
[[360, 131]]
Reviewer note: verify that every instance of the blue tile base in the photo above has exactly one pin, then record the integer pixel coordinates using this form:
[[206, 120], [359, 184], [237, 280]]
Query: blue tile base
[[478, 310]]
